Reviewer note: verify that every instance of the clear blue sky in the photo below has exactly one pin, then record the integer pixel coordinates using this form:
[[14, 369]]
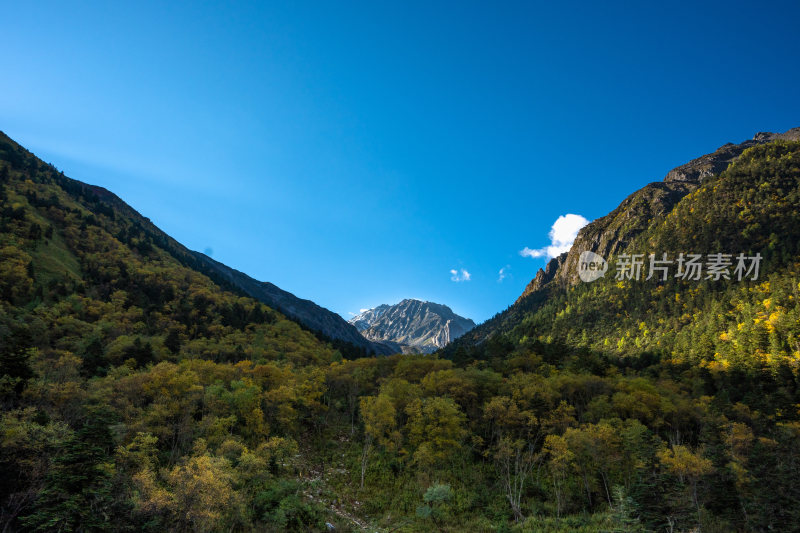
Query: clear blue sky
[[356, 153]]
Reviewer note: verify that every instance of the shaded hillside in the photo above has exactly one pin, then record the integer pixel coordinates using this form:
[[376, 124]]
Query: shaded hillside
[[108, 336], [65, 241], [326, 325]]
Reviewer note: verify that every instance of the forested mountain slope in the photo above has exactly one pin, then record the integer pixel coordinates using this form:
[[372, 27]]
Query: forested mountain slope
[[328, 326], [751, 208], [107, 335], [732, 345], [613, 233], [139, 394]]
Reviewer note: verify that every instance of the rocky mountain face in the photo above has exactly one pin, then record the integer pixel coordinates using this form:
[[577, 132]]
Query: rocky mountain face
[[610, 234], [365, 319], [614, 232], [412, 325], [312, 316]]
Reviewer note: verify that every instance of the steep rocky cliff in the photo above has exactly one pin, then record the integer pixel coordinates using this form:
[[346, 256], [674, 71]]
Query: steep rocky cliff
[[609, 234]]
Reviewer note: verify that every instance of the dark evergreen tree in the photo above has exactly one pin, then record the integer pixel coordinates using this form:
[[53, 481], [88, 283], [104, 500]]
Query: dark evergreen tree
[[77, 492], [173, 341]]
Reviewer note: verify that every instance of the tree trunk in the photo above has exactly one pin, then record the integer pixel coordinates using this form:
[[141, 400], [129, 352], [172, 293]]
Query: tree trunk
[[608, 494], [364, 458], [588, 492]]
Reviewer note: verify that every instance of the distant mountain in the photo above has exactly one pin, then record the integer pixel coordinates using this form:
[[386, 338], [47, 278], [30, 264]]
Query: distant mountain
[[314, 317], [414, 325]]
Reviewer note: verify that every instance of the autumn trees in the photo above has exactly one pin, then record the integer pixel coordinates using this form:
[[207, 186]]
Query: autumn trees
[[136, 388], [380, 425]]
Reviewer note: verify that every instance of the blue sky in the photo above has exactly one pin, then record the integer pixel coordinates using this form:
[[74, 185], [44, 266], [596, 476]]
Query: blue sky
[[358, 153]]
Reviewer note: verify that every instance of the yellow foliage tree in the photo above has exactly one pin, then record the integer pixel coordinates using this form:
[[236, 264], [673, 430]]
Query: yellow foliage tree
[[687, 465]]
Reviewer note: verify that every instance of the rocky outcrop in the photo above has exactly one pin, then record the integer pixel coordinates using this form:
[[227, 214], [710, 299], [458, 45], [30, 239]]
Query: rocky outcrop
[[698, 169], [546, 275], [366, 318]]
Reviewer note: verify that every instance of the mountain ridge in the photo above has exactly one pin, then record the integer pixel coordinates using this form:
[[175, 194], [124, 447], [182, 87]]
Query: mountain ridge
[[325, 324], [607, 234], [610, 233], [306, 312]]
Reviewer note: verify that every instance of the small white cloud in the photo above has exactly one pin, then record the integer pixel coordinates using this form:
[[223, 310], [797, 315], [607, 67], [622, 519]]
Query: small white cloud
[[363, 310], [527, 252], [504, 273], [459, 275], [351, 313], [562, 235]]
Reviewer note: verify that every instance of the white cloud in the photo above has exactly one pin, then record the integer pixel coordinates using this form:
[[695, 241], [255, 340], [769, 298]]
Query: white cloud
[[363, 310], [504, 273], [351, 313], [562, 235], [459, 275]]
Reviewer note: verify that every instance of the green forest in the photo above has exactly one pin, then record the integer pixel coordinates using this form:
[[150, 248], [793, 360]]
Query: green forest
[[140, 394]]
